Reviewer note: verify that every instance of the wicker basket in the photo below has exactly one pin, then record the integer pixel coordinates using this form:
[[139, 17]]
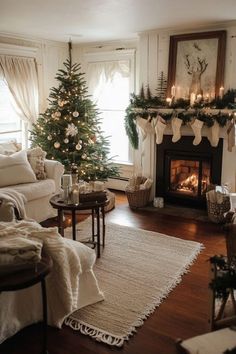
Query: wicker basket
[[216, 211], [138, 198]]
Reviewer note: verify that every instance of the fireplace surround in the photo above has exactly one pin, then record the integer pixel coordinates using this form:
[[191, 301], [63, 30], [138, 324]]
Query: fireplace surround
[[184, 171]]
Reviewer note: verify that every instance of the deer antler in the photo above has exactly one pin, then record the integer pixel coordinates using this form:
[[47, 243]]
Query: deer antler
[[188, 65], [203, 65]]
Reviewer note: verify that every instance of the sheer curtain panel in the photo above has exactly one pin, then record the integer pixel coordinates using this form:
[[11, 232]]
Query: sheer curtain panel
[[21, 76]]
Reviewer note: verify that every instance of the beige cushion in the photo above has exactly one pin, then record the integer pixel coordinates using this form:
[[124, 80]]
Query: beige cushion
[[36, 190], [15, 169], [36, 159]]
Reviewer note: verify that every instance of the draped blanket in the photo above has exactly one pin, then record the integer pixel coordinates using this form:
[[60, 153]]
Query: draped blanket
[[16, 199], [62, 283]]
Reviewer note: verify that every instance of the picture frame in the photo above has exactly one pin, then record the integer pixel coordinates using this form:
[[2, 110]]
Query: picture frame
[[196, 65]]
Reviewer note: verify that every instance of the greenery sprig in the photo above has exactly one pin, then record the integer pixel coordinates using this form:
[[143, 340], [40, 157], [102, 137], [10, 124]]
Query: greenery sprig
[[148, 106]]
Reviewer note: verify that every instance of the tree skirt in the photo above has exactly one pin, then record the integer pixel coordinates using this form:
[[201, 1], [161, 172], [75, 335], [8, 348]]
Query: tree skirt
[[136, 272]]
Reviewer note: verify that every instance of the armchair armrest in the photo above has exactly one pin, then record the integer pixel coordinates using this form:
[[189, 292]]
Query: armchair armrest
[[54, 170]]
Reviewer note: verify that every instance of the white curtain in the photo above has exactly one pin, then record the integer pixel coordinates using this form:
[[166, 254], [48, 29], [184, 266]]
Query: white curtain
[[22, 79], [100, 73]]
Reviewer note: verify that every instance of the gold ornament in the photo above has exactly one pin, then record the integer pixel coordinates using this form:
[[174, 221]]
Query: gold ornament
[[57, 144], [58, 114], [78, 147], [75, 114]]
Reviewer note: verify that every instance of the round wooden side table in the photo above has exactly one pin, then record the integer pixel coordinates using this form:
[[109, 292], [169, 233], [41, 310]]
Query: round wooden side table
[[17, 279], [97, 208]]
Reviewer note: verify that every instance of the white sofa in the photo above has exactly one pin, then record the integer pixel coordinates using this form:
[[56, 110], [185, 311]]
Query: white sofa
[[37, 192]]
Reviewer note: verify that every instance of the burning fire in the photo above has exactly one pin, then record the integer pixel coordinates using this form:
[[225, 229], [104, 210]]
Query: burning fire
[[189, 184]]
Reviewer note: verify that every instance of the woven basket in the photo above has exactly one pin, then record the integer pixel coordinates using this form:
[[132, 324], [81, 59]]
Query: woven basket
[[138, 198], [216, 211]]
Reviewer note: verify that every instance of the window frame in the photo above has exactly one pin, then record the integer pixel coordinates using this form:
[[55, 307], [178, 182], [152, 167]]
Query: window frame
[[116, 55]]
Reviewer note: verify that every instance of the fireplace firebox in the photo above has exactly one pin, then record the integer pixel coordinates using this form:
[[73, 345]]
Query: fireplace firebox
[[185, 171]]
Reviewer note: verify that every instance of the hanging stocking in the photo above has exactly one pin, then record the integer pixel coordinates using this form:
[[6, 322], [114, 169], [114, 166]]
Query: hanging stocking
[[145, 126], [160, 127], [231, 131], [197, 127], [176, 125], [214, 134]]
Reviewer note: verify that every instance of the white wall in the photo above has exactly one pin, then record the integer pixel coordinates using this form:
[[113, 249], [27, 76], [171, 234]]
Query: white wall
[[154, 55]]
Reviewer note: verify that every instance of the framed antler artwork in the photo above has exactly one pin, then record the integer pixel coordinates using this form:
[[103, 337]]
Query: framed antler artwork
[[196, 65]]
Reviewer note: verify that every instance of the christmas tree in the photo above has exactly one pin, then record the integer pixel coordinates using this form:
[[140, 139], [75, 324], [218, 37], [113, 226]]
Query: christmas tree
[[69, 130]]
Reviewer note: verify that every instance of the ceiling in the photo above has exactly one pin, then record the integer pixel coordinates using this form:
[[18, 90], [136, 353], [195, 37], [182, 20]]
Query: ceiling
[[105, 20]]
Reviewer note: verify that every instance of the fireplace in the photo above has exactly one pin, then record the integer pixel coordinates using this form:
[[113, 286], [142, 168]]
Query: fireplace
[[184, 171]]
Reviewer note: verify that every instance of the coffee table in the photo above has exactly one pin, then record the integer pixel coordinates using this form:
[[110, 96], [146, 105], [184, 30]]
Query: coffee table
[[97, 208]]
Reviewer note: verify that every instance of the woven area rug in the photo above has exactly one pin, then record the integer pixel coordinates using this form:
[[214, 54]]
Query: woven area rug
[[136, 272]]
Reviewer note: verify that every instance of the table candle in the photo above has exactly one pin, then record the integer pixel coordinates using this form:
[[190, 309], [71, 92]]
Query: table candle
[[168, 100], [192, 98]]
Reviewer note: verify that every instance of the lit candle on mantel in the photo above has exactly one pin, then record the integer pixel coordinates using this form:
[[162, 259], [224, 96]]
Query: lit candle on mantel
[[173, 91], [168, 100], [221, 92], [199, 98], [192, 98]]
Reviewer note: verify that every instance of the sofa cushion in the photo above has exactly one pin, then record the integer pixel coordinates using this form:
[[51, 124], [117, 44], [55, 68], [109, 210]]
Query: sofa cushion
[[15, 169], [36, 190], [36, 158]]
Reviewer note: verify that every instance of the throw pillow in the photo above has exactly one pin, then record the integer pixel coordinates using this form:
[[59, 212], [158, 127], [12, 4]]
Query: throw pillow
[[15, 169], [9, 148], [36, 159]]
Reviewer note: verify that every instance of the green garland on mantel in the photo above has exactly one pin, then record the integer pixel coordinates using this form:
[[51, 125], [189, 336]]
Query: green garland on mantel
[[219, 109]]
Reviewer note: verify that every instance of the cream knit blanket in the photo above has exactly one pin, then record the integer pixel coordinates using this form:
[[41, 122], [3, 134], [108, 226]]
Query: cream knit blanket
[[62, 283]]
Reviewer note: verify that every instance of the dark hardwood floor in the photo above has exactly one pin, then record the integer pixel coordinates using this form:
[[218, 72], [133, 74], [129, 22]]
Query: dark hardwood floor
[[182, 315]]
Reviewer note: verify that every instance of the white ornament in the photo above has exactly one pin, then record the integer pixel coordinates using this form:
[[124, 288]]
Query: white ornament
[[71, 130], [75, 114], [49, 137], [57, 144], [78, 146], [66, 141], [84, 156], [58, 114], [53, 115]]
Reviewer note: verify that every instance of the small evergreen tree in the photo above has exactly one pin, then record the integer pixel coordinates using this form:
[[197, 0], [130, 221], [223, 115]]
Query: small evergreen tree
[[162, 86], [69, 130]]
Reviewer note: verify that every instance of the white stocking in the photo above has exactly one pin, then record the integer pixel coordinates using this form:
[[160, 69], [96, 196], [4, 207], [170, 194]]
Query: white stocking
[[176, 125], [159, 129], [145, 126], [197, 127], [231, 131], [214, 134]]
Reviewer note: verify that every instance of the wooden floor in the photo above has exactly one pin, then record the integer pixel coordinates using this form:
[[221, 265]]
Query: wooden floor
[[182, 315]]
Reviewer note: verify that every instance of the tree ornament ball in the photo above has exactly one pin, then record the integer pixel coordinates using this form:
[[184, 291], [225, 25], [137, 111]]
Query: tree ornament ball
[[60, 103], [66, 141], [58, 114], [57, 144], [49, 137], [102, 168], [53, 115], [84, 156], [78, 147], [75, 114]]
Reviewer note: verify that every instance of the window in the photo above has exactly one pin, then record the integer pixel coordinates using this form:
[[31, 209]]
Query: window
[[11, 126], [110, 82]]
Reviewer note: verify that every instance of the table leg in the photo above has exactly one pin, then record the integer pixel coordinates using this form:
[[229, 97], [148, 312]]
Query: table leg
[[93, 231], [74, 224], [45, 315], [98, 231], [103, 226], [60, 222]]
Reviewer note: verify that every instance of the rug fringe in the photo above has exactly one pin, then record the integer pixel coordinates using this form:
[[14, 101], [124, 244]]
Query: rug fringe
[[96, 333], [118, 341]]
